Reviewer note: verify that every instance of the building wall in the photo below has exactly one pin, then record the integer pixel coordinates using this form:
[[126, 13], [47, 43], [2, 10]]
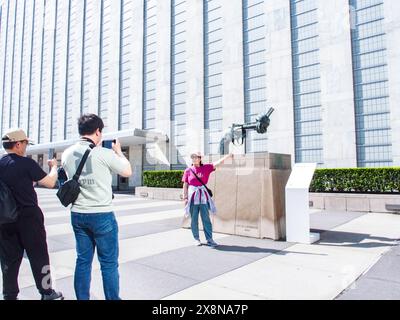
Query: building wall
[[337, 95], [279, 78], [392, 9], [66, 57], [232, 66]]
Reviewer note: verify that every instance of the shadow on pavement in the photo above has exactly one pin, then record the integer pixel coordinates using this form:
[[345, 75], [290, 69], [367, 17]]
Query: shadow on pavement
[[253, 249], [349, 239], [245, 249]]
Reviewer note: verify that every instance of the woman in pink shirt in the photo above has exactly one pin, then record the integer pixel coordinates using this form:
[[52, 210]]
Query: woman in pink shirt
[[197, 199]]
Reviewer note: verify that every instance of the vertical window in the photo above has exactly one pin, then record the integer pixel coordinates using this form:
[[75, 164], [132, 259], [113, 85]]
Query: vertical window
[[212, 75], [26, 69], [3, 52], [371, 92], [306, 81], [126, 62], [15, 64], [149, 64], [149, 75], [8, 64], [106, 62], [74, 64], [47, 70], [35, 73], [90, 38], [58, 72], [254, 54], [178, 80]]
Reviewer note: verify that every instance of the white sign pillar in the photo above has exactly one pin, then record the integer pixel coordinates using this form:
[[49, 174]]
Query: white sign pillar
[[297, 205]]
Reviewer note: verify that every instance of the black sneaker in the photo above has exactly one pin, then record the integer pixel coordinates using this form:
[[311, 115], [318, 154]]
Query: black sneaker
[[53, 296]]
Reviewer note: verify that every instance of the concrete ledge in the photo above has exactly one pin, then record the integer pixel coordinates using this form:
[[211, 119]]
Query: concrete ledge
[[159, 193], [380, 203]]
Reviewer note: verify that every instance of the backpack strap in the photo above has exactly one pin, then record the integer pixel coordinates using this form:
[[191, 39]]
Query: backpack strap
[[81, 164]]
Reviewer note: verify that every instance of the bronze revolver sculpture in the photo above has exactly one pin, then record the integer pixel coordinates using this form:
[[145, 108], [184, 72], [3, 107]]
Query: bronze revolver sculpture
[[238, 132]]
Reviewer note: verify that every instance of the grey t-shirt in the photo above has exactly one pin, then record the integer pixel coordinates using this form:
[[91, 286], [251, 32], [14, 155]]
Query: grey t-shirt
[[96, 177]]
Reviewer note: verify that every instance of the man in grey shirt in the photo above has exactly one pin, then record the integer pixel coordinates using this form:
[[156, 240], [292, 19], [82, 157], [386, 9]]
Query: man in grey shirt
[[92, 215]]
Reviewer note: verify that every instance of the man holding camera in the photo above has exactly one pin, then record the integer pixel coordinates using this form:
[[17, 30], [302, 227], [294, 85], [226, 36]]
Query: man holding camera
[[92, 215], [27, 233]]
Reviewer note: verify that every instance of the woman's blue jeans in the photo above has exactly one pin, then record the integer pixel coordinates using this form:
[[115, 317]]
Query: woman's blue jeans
[[96, 230], [205, 218]]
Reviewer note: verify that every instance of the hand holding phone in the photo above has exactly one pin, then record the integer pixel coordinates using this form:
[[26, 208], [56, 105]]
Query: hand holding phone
[[108, 144], [116, 146]]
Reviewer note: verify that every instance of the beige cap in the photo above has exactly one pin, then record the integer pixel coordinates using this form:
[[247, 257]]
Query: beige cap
[[196, 153], [15, 135]]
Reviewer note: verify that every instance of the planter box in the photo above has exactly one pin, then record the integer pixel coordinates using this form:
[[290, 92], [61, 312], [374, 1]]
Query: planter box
[[354, 202]]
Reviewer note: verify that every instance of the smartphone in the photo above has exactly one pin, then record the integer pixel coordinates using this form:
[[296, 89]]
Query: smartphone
[[108, 143]]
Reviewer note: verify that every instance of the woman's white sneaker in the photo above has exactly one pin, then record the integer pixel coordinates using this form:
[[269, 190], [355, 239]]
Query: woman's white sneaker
[[212, 243]]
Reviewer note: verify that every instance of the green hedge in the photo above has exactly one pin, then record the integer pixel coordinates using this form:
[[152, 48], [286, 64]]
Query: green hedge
[[386, 180], [163, 179]]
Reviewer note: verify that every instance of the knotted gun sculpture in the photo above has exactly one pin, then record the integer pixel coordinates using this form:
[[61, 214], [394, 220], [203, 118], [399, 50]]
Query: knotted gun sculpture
[[238, 132]]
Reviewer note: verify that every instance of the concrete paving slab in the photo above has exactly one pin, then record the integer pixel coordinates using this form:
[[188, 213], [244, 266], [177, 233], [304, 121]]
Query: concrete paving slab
[[387, 268], [198, 263], [138, 282], [61, 211], [142, 229], [66, 228], [395, 251], [65, 285], [57, 220], [252, 248], [54, 245], [372, 289], [67, 241], [207, 291], [144, 282], [63, 262], [328, 220], [276, 280]]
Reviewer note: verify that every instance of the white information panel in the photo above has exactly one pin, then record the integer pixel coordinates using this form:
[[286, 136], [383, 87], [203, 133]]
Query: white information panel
[[297, 204]]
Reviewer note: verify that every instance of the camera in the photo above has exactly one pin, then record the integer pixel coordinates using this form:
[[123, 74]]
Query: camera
[[108, 143]]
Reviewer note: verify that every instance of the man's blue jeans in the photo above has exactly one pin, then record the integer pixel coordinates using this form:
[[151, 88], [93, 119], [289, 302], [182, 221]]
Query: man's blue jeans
[[96, 230], [205, 218]]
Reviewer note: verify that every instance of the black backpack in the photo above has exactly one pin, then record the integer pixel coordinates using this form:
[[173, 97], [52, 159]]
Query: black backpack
[[8, 206], [69, 191]]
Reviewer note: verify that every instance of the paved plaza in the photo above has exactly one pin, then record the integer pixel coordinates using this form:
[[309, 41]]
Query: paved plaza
[[357, 258]]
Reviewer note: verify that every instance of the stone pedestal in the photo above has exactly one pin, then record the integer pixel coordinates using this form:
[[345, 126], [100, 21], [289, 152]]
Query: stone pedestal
[[249, 192]]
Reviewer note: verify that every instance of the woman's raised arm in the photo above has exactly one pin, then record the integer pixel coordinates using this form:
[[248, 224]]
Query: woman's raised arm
[[222, 160]]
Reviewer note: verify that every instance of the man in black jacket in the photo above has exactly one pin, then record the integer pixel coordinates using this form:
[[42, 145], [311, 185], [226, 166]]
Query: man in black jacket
[[28, 233]]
